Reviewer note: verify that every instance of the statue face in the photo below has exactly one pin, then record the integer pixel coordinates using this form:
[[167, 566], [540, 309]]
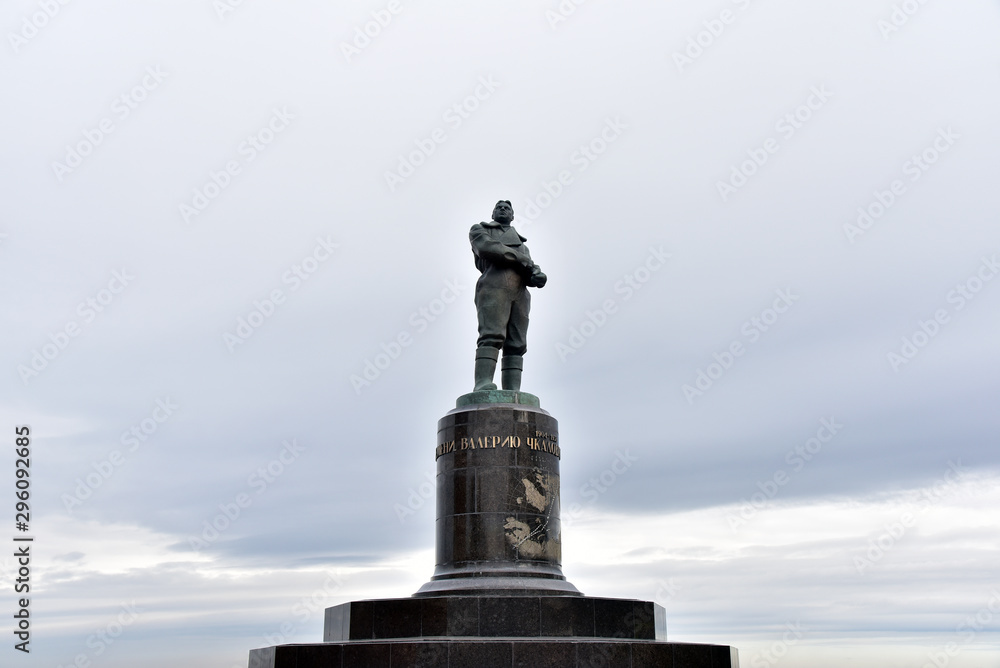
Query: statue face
[[503, 212]]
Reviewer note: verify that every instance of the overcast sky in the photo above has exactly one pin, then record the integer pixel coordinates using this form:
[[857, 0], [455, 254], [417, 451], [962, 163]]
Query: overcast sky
[[237, 281]]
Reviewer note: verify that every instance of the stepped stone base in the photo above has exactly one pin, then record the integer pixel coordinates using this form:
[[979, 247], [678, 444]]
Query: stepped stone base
[[534, 631], [496, 653], [498, 597], [496, 616]]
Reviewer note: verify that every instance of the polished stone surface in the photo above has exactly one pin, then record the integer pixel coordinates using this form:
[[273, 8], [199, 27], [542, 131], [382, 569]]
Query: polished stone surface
[[497, 528], [497, 653], [540, 616], [498, 597]]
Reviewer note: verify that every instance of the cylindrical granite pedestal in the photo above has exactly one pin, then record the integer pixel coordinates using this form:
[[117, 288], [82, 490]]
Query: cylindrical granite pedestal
[[497, 527]]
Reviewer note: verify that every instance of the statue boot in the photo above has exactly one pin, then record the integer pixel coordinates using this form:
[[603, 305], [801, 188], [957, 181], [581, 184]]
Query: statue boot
[[510, 372], [486, 366]]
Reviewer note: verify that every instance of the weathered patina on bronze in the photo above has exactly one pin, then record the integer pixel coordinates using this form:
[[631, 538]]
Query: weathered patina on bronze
[[502, 298]]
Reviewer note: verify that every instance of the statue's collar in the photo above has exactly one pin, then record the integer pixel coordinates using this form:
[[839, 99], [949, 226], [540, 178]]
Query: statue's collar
[[494, 225]]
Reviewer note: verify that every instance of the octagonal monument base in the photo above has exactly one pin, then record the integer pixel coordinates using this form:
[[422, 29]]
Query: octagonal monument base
[[498, 597]]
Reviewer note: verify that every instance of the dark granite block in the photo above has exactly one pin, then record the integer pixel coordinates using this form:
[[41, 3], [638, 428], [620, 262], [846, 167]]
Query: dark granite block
[[480, 537], [458, 540], [645, 620], [692, 656], [509, 616], [480, 655], [445, 492], [495, 653], [433, 616], [492, 422], [463, 616], [456, 492], [419, 655], [461, 417], [497, 488], [450, 616], [722, 657], [444, 537], [475, 457], [654, 655], [446, 464], [544, 655], [330, 656], [362, 620], [285, 654], [397, 618], [523, 429], [366, 655], [605, 655], [567, 616], [613, 618]]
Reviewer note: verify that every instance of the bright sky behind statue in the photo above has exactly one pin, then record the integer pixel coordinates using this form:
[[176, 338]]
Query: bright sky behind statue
[[238, 295]]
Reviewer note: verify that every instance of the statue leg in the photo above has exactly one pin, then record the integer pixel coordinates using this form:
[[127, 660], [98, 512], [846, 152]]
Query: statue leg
[[515, 342], [492, 309], [486, 366], [510, 374]]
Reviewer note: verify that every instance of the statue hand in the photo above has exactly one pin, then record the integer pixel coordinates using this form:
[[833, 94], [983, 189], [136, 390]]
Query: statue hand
[[538, 280]]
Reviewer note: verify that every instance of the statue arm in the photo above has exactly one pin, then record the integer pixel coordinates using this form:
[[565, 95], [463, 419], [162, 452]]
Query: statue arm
[[492, 250]]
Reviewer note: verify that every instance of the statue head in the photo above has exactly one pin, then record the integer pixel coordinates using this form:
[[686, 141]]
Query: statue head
[[503, 212]]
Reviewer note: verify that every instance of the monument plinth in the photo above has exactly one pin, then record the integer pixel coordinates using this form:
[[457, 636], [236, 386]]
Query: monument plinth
[[498, 597], [497, 526]]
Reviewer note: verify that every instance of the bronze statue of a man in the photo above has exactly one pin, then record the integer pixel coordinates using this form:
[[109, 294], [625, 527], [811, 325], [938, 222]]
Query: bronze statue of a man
[[502, 299]]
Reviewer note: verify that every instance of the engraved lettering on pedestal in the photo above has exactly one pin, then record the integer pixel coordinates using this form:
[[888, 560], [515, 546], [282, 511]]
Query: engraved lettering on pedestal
[[443, 448], [492, 442]]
